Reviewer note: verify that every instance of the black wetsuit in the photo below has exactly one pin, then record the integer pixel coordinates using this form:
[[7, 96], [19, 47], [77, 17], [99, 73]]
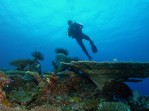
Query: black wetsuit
[[75, 31]]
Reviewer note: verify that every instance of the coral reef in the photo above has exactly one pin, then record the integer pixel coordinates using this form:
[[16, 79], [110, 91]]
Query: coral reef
[[101, 72], [27, 65], [46, 108], [21, 64], [138, 102], [113, 106], [37, 108], [65, 73], [2, 96], [24, 88], [4, 81], [62, 51], [68, 91], [60, 57], [75, 88], [38, 55], [116, 91], [52, 84]]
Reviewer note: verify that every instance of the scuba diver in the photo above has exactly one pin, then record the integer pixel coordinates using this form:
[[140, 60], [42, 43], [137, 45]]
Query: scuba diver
[[75, 31]]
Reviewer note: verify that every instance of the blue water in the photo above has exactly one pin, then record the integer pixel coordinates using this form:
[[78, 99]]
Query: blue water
[[119, 28]]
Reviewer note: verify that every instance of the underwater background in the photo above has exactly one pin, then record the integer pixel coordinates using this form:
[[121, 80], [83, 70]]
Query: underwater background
[[119, 29]]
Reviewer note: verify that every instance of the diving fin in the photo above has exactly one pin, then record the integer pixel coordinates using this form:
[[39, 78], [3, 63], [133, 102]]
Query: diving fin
[[94, 48]]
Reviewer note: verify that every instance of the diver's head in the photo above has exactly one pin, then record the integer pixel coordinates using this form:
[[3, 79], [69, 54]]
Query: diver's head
[[70, 22]]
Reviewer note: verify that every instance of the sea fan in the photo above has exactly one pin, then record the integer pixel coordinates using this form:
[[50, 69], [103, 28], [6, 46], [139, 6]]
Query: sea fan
[[38, 55]]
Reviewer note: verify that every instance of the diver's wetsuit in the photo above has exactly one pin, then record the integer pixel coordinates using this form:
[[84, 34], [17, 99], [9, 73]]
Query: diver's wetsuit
[[79, 41], [75, 31]]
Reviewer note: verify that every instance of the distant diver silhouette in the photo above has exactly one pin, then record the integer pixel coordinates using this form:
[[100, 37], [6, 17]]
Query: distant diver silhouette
[[75, 31]]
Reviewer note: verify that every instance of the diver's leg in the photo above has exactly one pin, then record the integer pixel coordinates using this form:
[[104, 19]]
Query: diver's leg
[[79, 41], [93, 47], [84, 36]]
